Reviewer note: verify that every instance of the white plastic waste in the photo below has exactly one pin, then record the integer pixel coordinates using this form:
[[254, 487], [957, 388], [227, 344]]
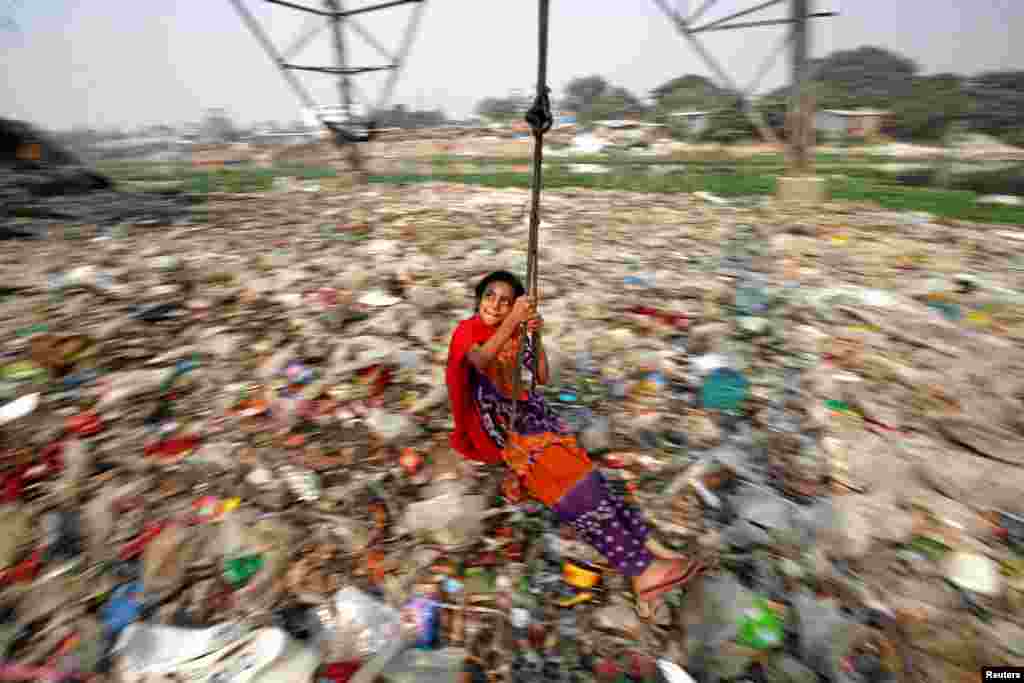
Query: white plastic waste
[[19, 408], [673, 673], [378, 298]]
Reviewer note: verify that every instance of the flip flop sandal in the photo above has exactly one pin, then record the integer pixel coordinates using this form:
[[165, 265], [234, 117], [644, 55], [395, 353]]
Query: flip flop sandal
[[661, 552]]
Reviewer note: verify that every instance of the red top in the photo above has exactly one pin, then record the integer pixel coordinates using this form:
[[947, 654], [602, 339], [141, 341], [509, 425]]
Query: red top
[[469, 437]]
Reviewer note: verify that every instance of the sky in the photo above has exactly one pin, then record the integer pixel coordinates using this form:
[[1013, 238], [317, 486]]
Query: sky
[[114, 63]]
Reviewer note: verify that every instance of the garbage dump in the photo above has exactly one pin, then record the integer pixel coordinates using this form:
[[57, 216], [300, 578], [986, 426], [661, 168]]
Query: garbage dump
[[225, 443], [44, 187]]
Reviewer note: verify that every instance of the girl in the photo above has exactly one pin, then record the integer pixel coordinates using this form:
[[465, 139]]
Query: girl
[[539, 446]]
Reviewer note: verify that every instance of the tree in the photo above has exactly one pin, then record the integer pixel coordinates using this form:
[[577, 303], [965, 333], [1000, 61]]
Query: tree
[[690, 93], [864, 77], [873, 75], [998, 104], [217, 125], [932, 106], [401, 117], [502, 109], [582, 92], [678, 128], [729, 125], [615, 103]]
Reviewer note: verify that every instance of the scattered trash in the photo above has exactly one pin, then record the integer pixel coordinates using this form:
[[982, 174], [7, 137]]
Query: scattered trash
[[710, 198], [203, 438], [1001, 199]]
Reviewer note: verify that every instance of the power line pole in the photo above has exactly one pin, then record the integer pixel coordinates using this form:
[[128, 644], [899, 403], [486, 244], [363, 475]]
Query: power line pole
[[349, 129], [344, 89], [801, 104], [800, 146]]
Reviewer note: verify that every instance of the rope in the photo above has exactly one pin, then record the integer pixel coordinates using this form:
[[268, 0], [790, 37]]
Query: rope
[[540, 120]]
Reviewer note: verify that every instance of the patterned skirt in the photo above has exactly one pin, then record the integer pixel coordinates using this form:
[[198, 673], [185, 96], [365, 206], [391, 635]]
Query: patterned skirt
[[542, 450]]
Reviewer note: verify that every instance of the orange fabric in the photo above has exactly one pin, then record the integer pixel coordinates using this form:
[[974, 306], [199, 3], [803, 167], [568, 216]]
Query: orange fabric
[[558, 464]]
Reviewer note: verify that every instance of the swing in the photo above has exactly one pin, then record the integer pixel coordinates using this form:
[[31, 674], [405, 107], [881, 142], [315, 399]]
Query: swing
[[540, 120], [522, 453]]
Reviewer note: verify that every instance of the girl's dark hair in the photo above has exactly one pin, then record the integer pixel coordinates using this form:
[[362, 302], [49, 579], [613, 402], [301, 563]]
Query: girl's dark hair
[[499, 276]]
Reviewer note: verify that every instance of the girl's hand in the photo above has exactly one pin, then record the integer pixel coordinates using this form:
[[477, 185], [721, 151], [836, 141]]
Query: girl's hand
[[523, 310], [535, 324]]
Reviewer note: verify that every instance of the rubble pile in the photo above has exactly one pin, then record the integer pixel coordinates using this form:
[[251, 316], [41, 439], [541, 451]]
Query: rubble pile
[[44, 187], [225, 442]]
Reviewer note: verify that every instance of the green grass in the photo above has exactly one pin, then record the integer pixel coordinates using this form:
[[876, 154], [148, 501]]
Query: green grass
[[947, 203], [957, 204], [684, 158], [609, 160], [850, 181]]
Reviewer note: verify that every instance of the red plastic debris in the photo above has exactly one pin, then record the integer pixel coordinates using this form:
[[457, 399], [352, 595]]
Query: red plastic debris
[[607, 670], [410, 461], [677, 320], [328, 296], [86, 423], [339, 672], [615, 461], [536, 634], [485, 559], [513, 552], [642, 666], [13, 485], [24, 571], [207, 508], [135, 548], [53, 456], [174, 447], [378, 377]]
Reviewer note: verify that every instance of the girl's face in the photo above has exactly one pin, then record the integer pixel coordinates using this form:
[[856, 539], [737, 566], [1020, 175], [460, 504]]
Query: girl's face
[[496, 303]]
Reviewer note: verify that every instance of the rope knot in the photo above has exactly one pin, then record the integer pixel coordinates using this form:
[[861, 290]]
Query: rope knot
[[539, 115]]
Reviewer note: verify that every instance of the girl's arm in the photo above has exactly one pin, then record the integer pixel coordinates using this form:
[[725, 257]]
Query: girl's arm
[[543, 375], [482, 356]]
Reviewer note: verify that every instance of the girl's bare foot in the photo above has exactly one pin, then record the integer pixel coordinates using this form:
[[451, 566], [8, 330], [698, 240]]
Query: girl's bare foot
[[662, 576]]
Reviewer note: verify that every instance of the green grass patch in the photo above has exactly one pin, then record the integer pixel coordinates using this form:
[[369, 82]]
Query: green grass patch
[[848, 180], [945, 203]]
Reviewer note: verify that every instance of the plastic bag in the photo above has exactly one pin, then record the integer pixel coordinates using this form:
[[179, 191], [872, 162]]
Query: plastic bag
[[356, 627], [450, 519], [817, 621]]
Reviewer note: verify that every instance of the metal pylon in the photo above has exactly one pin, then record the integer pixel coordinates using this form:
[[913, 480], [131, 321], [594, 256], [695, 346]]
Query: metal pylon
[[336, 17], [800, 152]]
